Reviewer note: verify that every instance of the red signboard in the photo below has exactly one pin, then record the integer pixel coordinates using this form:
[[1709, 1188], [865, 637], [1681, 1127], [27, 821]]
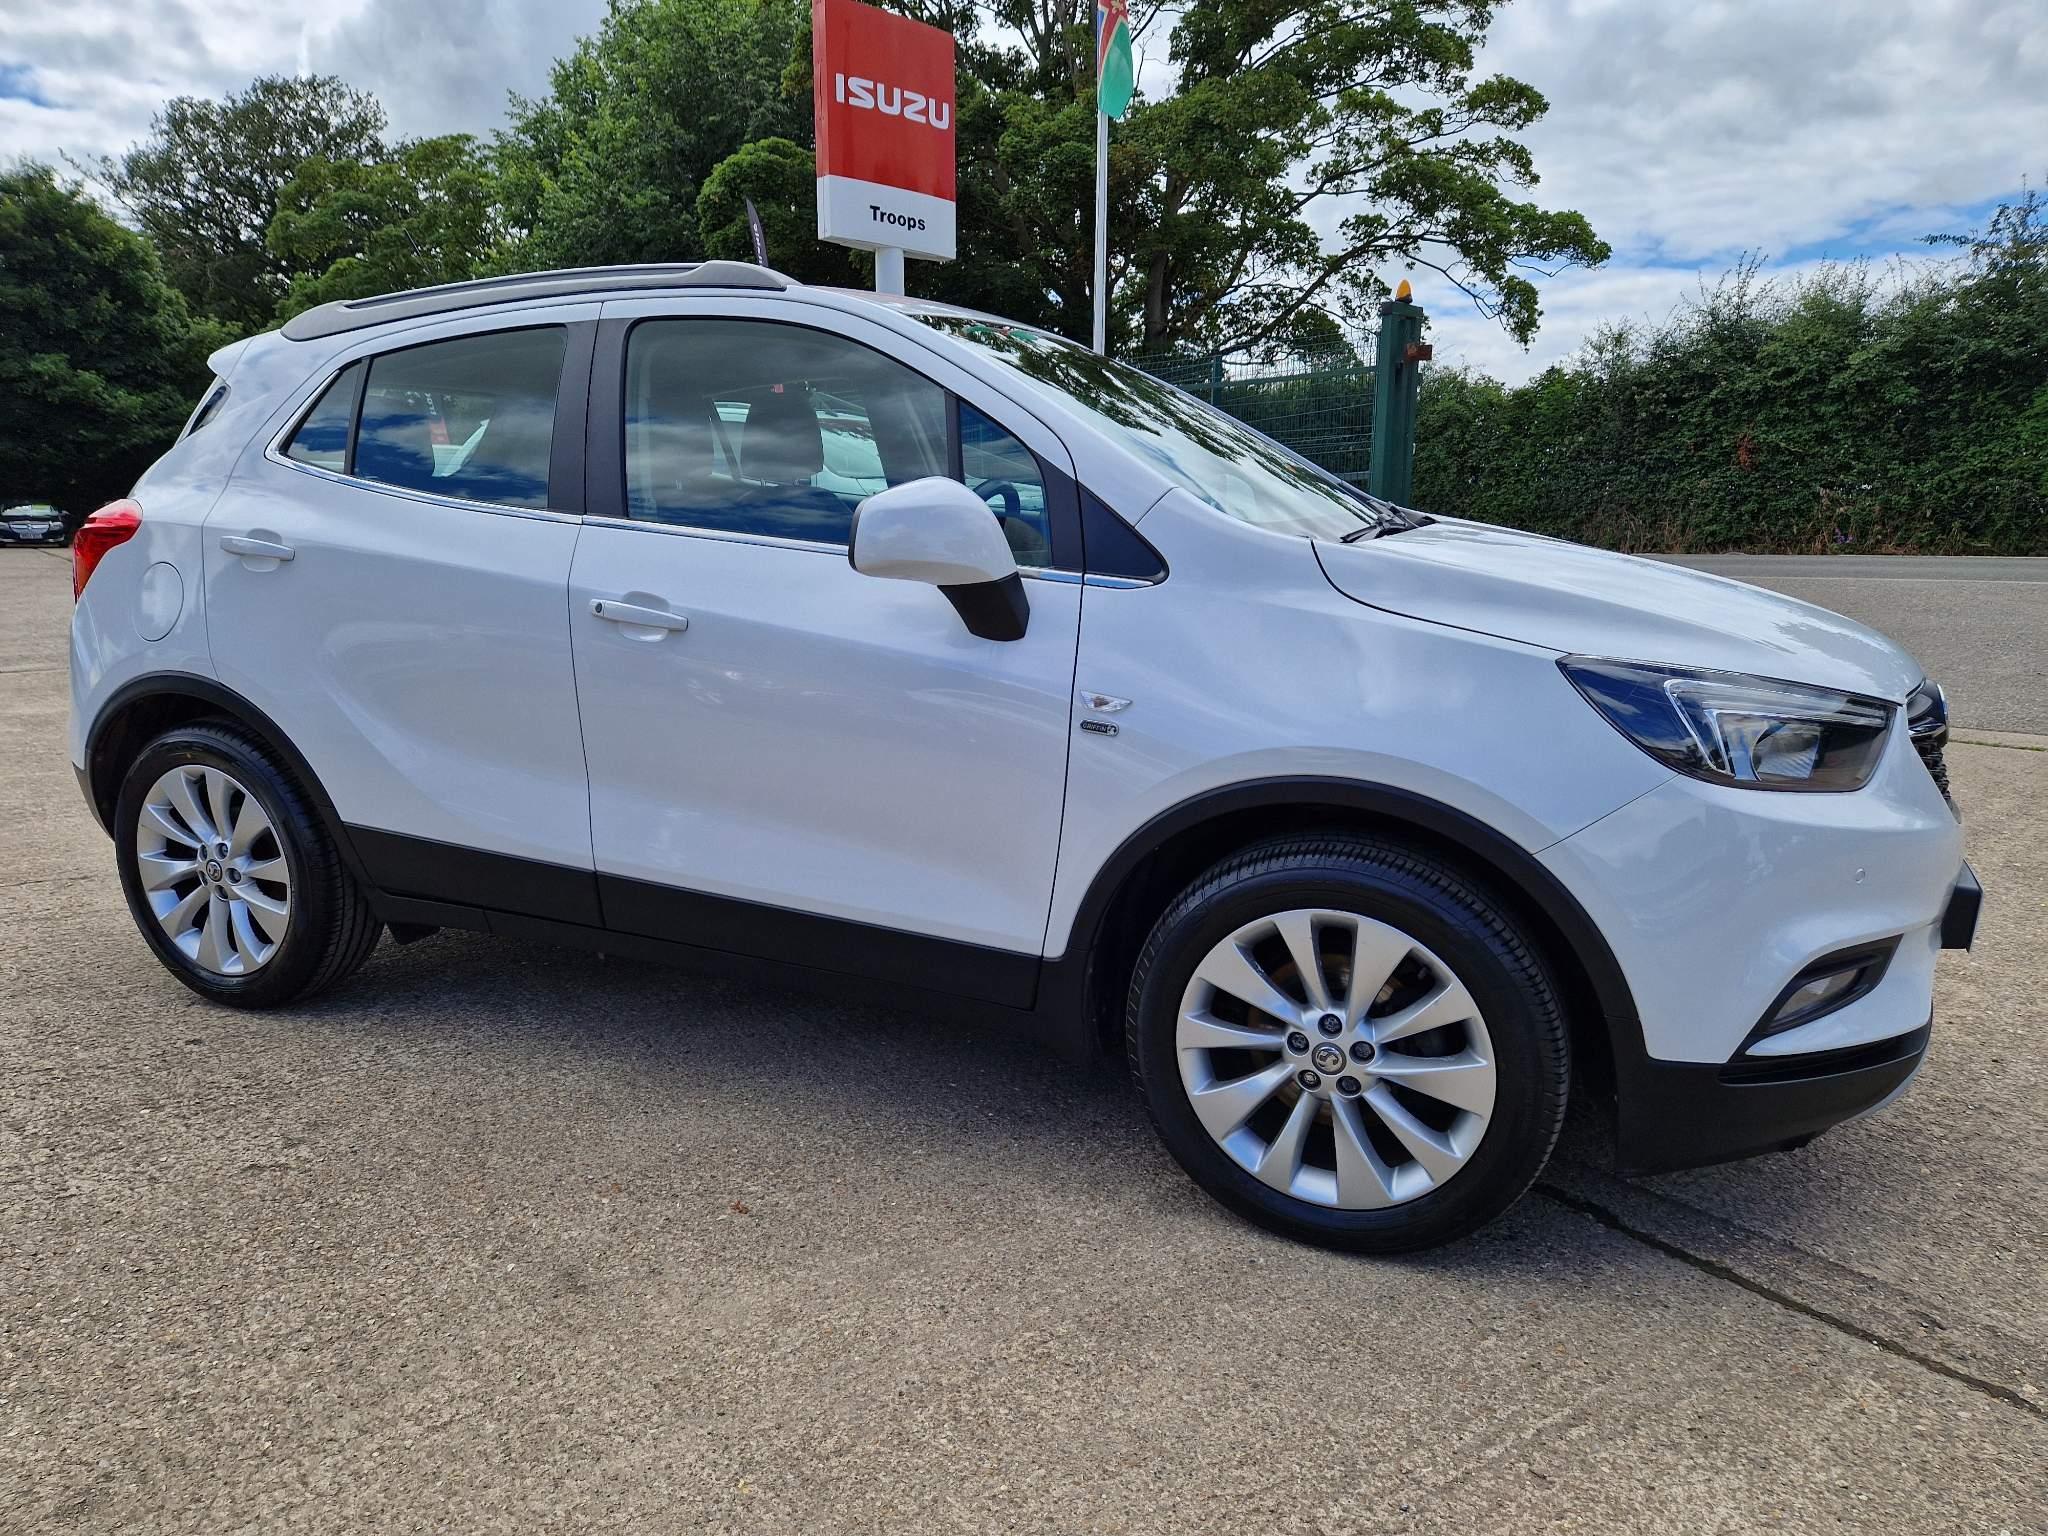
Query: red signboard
[[885, 110]]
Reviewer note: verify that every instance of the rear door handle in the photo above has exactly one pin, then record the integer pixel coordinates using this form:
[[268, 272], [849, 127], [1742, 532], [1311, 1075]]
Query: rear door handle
[[255, 549], [632, 613]]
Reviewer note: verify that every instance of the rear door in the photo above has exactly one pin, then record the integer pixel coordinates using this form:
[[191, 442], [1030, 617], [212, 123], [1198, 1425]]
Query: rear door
[[387, 579], [792, 758]]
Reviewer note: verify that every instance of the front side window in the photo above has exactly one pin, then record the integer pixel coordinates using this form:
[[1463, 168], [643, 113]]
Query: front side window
[[1005, 474], [748, 426], [471, 417]]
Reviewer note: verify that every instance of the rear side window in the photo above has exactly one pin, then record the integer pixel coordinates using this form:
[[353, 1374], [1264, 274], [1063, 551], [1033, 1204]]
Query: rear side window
[[322, 438], [472, 417]]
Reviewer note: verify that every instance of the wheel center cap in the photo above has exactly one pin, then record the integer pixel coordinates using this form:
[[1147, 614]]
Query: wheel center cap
[[213, 870], [1327, 1058]]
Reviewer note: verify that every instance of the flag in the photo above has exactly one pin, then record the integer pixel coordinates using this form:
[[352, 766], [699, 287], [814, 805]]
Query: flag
[[754, 229], [1115, 76]]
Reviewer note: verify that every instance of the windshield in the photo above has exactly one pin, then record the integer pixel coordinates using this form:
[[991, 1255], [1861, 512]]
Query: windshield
[[1208, 454]]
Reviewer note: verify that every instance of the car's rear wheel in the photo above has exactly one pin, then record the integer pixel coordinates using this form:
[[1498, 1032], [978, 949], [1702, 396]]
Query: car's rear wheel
[[1349, 1041], [230, 877]]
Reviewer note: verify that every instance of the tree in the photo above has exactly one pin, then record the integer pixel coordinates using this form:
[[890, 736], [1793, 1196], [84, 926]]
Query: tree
[[99, 358], [205, 185], [1365, 119], [609, 164], [781, 178], [425, 213], [1367, 116]]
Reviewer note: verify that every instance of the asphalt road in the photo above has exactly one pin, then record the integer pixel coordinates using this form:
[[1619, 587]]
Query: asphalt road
[[503, 1238], [1979, 626]]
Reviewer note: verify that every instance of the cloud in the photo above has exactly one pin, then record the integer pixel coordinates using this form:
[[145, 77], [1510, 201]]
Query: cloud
[[1694, 130], [1688, 131], [102, 69], [449, 69], [18, 83]]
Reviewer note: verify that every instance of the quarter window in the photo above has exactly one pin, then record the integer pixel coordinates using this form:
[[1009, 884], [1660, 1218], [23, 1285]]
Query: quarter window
[[322, 438], [209, 409]]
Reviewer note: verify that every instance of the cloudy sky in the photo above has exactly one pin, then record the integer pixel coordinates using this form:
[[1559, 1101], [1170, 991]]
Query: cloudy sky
[[1689, 131]]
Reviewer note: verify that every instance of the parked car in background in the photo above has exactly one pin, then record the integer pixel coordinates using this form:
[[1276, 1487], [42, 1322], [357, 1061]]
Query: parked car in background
[[32, 523], [692, 613]]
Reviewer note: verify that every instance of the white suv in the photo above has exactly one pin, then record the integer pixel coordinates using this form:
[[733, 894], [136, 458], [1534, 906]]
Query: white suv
[[548, 606]]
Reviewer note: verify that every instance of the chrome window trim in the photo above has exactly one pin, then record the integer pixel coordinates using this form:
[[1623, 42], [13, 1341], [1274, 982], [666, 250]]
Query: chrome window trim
[[1082, 578], [462, 503], [821, 547], [724, 535]]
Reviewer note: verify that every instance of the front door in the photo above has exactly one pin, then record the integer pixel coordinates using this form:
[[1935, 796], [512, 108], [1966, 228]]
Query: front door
[[787, 757]]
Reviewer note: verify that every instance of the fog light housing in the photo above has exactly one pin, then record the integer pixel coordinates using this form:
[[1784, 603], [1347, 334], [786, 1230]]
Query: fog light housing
[[1808, 998], [1829, 983]]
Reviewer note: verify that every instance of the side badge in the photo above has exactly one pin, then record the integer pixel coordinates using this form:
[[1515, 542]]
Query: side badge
[[1098, 727]]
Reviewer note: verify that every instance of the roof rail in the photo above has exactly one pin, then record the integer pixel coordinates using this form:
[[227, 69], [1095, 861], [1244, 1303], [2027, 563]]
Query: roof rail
[[345, 315]]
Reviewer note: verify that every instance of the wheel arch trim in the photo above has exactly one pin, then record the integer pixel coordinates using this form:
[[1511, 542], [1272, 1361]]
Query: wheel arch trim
[[1493, 850], [224, 700]]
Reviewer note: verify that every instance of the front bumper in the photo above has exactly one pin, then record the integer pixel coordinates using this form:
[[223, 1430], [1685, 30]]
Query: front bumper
[[1681, 1114], [1677, 1114], [1959, 917], [1712, 900]]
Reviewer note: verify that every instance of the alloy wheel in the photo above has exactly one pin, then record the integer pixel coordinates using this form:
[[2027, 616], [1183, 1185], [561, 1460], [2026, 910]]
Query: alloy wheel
[[213, 870], [1336, 1059]]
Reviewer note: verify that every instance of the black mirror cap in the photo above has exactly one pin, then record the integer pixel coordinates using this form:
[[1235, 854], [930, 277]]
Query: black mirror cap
[[992, 610]]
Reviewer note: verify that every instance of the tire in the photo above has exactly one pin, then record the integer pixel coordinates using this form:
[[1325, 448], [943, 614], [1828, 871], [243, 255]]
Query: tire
[[259, 960], [1469, 988]]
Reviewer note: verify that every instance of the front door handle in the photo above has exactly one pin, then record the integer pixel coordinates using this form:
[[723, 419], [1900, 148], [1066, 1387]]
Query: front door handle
[[255, 549], [632, 613]]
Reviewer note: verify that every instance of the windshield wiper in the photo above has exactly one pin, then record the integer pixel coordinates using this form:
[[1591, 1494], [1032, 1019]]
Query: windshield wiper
[[1392, 520], [1368, 531]]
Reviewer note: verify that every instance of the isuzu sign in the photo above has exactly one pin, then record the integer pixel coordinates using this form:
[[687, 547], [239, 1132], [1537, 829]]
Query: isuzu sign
[[884, 89]]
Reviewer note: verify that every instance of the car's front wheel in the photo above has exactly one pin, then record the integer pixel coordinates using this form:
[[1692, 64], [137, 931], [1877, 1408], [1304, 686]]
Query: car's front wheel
[[1349, 1041], [229, 874]]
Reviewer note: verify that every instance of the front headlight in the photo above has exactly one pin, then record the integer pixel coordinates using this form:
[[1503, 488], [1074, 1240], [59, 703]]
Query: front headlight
[[1729, 728]]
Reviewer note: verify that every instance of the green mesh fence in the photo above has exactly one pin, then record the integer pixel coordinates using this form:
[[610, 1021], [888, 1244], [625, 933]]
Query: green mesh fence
[[1318, 405]]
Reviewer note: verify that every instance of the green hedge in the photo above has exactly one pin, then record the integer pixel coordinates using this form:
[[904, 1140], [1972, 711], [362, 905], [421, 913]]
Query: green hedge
[[1843, 412]]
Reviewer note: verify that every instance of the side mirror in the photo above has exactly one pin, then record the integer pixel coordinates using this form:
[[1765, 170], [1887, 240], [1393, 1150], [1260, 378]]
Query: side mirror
[[936, 530]]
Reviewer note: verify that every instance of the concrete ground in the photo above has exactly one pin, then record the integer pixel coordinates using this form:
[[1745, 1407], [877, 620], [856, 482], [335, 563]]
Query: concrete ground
[[501, 1238]]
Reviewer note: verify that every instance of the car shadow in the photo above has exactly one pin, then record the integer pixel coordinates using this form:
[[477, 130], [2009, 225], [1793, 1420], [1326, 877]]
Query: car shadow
[[887, 1077]]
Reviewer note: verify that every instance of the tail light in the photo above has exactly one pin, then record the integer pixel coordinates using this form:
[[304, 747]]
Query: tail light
[[115, 523]]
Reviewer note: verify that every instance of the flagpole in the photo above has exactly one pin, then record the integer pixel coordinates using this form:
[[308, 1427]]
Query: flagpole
[[1101, 231]]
